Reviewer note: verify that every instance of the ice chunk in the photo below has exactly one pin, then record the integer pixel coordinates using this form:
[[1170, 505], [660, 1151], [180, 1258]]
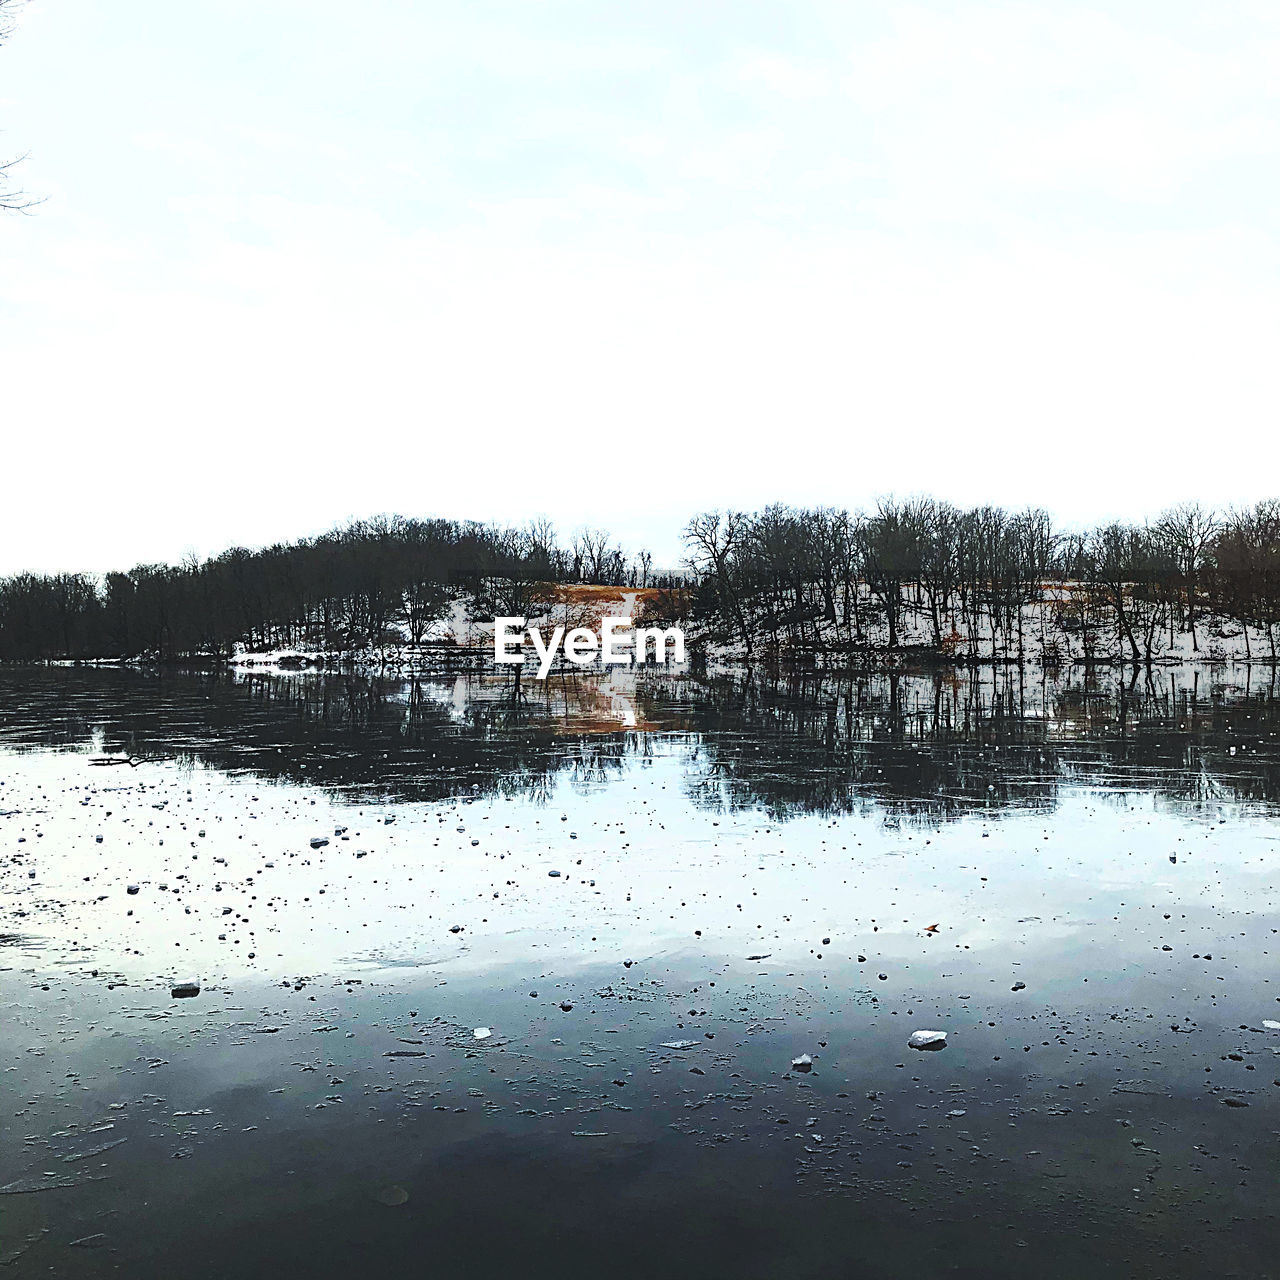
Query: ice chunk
[[928, 1040]]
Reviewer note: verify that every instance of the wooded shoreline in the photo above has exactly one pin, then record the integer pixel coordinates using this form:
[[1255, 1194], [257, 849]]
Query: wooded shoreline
[[917, 581]]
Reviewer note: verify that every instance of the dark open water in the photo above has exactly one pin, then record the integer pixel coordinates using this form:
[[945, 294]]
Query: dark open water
[[747, 868]]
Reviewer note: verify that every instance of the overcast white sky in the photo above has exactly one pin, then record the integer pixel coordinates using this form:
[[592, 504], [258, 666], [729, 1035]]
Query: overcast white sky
[[617, 262]]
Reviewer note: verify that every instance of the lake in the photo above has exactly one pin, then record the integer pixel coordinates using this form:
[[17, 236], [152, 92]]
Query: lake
[[620, 980]]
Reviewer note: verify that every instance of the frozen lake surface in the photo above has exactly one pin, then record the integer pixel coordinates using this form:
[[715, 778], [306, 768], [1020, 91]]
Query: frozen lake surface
[[655, 895]]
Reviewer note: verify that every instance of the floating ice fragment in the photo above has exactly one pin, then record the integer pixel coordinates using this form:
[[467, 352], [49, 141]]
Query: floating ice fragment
[[482, 1033], [803, 1063], [927, 1040], [679, 1044], [93, 1151]]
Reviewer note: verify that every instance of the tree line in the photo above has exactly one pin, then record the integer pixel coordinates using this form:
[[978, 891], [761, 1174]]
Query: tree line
[[806, 585], [984, 584], [370, 584]]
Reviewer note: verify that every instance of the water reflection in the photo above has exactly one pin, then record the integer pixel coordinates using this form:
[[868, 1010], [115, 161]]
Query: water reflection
[[928, 747], [939, 747], [1110, 999]]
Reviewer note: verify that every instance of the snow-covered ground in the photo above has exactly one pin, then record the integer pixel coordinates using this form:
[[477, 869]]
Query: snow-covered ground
[[461, 629], [1065, 627]]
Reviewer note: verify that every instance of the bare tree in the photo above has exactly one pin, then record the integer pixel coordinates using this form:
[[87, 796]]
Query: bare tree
[[1188, 531], [591, 553], [714, 540], [11, 197], [936, 524], [1120, 566], [891, 550], [1247, 569]]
